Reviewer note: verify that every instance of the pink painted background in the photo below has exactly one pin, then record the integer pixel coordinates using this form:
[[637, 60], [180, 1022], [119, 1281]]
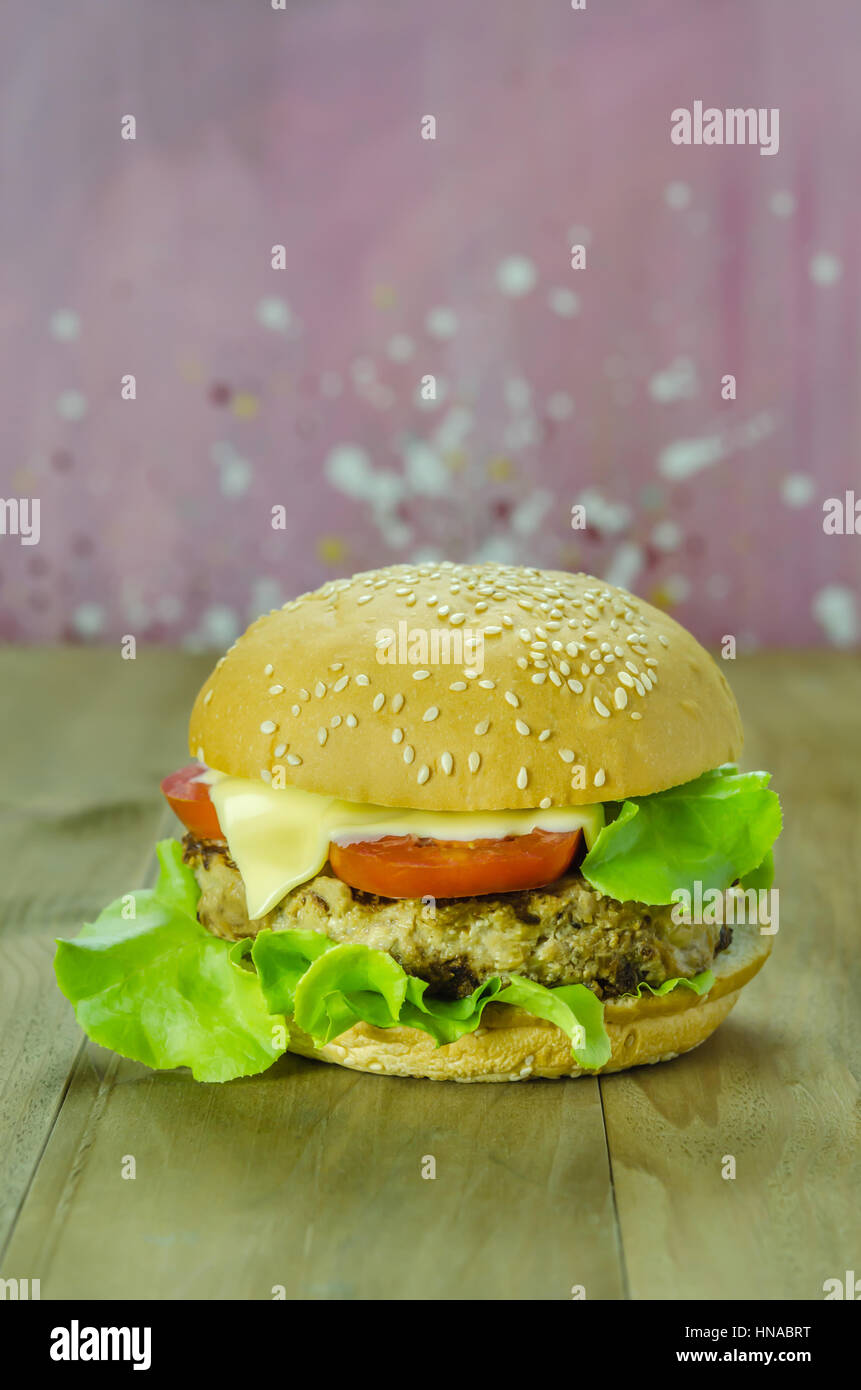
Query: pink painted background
[[258, 387]]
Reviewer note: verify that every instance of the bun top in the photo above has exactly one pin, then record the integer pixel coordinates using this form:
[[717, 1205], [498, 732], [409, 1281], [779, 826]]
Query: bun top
[[448, 687]]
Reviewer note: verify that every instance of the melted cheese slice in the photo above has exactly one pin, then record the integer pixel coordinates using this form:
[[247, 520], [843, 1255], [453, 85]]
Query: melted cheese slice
[[279, 837]]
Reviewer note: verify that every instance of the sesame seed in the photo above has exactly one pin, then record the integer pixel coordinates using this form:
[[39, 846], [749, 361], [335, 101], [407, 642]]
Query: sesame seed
[[482, 726], [487, 685], [544, 736], [303, 694], [322, 735], [521, 727], [268, 669], [650, 661], [423, 774], [473, 762], [362, 680], [638, 686], [409, 753], [565, 668], [266, 774], [575, 686], [567, 755], [620, 698], [379, 701], [444, 610], [337, 666], [341, 683], [207, 697], [430, 713], [457, 618], [626, 679], [351, 721], [334, 721], [524, 634], [599, 669], [522, 778], [662, 639], [458, 685], [635, 715], [539, 678], [447, 762], [635, 670], [420, 675], [512, 699], [295, 709], [319, 690], [294, 760], [397, 703], [267, 727], [545, 802], [489, 631], [600, 707], [522, 663], [585, 668], [397, 735], [600, 777], [364, 598], [555, 677], [276, 689], [280, 750]]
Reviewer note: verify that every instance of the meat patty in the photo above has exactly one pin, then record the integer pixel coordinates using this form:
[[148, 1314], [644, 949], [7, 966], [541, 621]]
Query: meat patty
[[567, 933]]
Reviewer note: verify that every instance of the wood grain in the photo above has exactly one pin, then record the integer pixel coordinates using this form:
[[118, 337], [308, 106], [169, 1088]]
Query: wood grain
[[777, 1085], [310, 1177]]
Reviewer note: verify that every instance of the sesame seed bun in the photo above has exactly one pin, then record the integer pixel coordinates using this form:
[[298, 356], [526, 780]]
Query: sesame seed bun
[[513, 1045], [585, 693]]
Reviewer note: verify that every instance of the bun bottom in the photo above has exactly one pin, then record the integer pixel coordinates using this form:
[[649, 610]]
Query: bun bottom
[[512, 1045]]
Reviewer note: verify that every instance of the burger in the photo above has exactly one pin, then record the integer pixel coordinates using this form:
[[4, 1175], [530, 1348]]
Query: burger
[[445, 821]]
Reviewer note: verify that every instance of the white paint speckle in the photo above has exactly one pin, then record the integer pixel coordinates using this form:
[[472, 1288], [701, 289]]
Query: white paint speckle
[[88, 619], [677, 195], [782, 203], [400, 347], [441, 322], [65, 325], [796, 489], [667, 535], [559, 406], [674, 383], [835, 609], [71, 405], [564, 302], [516, 276], [825, 269], [274, 313]]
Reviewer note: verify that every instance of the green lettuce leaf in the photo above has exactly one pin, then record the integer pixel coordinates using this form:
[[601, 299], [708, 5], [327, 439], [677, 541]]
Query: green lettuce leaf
[[714, 830], [347, 984], [161, 989]]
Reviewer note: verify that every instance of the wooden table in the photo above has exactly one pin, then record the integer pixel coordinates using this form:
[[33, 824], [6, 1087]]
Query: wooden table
[[310, 1177]]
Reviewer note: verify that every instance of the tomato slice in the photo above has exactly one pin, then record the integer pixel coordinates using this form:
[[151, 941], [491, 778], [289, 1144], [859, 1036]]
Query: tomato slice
[[190, 801], [401, 866]]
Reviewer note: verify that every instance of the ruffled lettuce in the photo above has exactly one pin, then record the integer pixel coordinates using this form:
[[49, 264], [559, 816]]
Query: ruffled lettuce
[[714, 830], [147, 980]]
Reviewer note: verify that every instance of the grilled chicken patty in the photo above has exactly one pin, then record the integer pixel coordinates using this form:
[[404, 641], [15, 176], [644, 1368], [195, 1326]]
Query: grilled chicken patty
[[567, 933]]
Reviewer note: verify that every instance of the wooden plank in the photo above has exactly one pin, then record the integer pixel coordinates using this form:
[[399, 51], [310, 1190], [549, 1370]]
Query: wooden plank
[[308, 1177], [776, 1086], [91, 735]]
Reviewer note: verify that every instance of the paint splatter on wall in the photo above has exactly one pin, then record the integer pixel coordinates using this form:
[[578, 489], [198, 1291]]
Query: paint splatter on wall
[[435, 371]]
